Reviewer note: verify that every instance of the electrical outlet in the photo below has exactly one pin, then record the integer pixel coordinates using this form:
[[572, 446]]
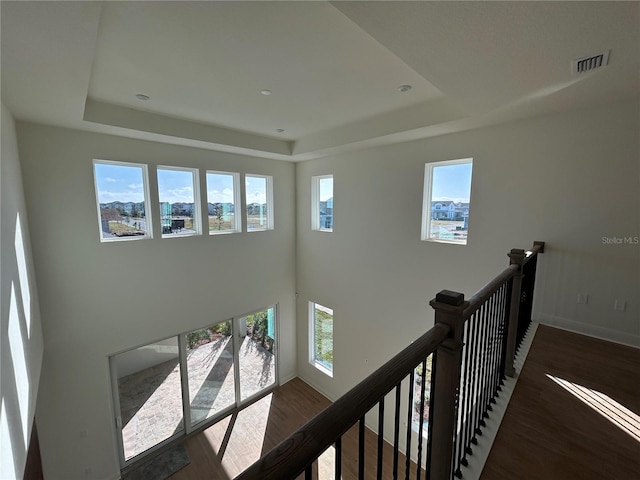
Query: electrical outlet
[[583, 298], [619, 305]]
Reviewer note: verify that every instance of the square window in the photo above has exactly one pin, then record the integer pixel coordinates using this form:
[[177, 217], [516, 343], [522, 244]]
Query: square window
[[445, 206], [259, 198], [179, 201], [321, 337], [222, 200], [122, 199], [322, 203]]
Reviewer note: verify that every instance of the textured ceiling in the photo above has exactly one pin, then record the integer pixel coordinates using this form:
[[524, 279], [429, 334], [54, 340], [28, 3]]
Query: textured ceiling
[[333, 68]]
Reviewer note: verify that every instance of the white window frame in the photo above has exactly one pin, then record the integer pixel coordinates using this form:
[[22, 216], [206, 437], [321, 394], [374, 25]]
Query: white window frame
[[145, 190], [315, 204], [425, 233], [269, 200], [239, 326], [197, 216], [237, 208], [312, 340]]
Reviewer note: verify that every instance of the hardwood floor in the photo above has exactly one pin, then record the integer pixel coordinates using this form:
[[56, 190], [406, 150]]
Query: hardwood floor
[[574, 414], [227, 448], [550, 431]]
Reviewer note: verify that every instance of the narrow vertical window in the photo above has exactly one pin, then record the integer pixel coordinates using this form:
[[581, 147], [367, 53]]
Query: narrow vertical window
[[210, 370], [445, 207], [222, 200], [122, 200], [259, 197], [322, 203], [257, 352], [179, 201], [144, 378], [321, 337]]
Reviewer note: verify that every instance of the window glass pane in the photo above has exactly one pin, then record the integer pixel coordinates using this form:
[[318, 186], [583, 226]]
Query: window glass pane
[[257, 354], [122, 202], [178, 207], [210, 370], [322, 337], [221, 202], [149, 395], [326, 203], [259, 203], [447, 200], [322, 203]]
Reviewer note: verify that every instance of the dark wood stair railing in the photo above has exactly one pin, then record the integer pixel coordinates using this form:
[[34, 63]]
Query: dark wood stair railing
[[296, 453], [473, 343]]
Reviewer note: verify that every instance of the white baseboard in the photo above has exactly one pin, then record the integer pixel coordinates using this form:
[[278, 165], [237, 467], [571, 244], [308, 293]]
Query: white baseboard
[[595, 331], [485, 442], [287, 379], [318, 389]]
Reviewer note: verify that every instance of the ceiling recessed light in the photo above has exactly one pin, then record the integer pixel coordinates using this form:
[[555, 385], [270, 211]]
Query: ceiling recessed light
[[142, 96], [404, 88], [279, 130], [266, 92]]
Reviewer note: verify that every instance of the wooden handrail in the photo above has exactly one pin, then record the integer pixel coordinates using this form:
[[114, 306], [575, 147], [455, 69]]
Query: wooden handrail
[[489, 289], [289, 458], [538, 247], [297, 453]]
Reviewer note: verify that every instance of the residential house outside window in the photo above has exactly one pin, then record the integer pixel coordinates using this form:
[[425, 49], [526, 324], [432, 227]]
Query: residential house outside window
[[223, 199], [259, 198], [122, 200], [322, 203], [179, 201], [446, 201]]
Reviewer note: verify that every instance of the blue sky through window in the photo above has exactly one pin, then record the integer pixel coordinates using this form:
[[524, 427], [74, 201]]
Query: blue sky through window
[[256, 189], [121, 183], [326, 188], [175, 186], [452, 182], [220, 188]]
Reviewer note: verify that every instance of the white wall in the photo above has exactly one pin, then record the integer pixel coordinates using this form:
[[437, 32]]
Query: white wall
[[568, 179], [20, 329], [101, 298]]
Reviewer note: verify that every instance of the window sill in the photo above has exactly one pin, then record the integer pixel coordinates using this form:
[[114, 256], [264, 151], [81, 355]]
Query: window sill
[[322, 368]]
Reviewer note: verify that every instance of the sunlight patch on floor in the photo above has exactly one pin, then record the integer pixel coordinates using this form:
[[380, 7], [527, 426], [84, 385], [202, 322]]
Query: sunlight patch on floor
[[228, 435], [613, 411]]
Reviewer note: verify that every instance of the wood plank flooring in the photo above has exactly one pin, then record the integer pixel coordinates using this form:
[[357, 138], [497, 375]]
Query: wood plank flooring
[[550, 431], [574, 414], [227, 448]]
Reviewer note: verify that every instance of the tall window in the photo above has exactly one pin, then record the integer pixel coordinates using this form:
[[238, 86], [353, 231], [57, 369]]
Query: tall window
[[257, 352], [167, 389], [322, 203], [122, 200], [445, 207], [259, 197], [222, 200], [179, 201], [321, 337]]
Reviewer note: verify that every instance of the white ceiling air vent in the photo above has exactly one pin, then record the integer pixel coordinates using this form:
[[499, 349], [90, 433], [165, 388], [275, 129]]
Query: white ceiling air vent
[[586, 64]]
